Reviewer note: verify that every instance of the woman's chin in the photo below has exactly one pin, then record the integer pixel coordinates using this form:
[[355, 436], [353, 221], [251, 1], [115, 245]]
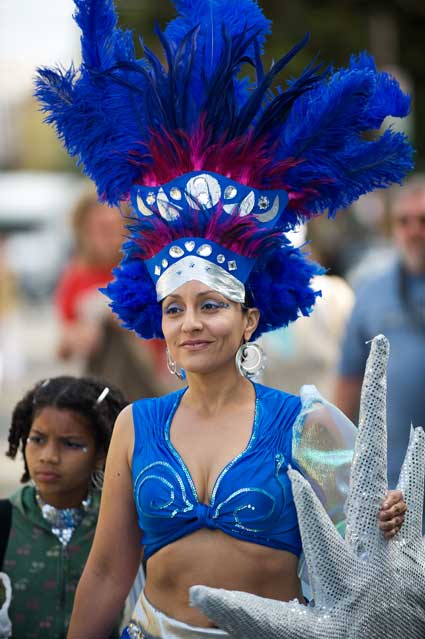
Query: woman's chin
[[207, 367]]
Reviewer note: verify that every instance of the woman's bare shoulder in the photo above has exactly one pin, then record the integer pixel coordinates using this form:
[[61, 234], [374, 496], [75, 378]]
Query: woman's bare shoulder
[[125, 417], [122, 440]]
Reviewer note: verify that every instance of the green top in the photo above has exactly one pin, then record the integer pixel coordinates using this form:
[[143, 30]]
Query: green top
[[44, 574]]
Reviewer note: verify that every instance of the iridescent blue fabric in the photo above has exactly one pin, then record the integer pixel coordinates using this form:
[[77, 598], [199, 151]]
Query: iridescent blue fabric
[[252, 498]]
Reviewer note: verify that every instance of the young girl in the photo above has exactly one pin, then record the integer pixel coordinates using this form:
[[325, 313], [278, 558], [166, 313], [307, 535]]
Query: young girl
[[63, 427]]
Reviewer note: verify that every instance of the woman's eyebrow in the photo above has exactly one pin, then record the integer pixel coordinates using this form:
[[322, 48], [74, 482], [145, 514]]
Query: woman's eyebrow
[[174, 296]]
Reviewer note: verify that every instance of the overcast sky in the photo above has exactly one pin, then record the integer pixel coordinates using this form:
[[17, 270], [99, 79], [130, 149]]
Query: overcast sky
[[33, 33]]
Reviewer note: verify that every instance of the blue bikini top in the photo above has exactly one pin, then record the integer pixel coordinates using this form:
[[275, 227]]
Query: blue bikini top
[[252, 498]]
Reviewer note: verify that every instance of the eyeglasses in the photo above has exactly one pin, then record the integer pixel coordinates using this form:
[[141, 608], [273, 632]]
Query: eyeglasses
[[409, 220]]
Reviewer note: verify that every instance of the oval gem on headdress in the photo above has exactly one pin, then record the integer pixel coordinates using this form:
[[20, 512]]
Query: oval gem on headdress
[[164, 263], [232, 265], [268, 216], [157, 270], [150, 199], [175, 193], [176, 251], [142, 208], [221, 258], [205, 250], [203, 191], [247, 204], [230, 192], [189, 245], [166, 210], [263, 202]]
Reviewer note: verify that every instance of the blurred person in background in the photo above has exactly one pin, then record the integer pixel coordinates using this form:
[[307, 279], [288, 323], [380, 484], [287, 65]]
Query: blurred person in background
[[307, 351], [393, 303], [11, 355], [88, 329], [62, 427]]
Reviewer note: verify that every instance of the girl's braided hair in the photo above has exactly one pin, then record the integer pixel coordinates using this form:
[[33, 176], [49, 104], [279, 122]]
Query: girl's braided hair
[[94, 399]]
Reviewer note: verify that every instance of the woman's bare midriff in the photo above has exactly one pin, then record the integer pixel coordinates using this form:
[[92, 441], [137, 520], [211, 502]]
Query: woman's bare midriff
[[212, 558]]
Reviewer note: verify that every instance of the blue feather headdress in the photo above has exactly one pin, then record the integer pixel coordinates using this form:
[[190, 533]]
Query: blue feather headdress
[[217, 166]]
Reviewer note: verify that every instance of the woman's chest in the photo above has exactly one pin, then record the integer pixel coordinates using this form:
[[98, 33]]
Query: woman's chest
[[238, 476], [207, 448]]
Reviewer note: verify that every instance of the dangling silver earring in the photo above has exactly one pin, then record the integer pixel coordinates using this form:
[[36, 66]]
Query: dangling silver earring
[[250, 360], [97, 477], [172, 367]]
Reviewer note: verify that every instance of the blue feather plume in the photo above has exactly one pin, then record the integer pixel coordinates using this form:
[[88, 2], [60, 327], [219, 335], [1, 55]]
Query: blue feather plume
[[107, 112], [326, 130], [211, 16], [99, 121]]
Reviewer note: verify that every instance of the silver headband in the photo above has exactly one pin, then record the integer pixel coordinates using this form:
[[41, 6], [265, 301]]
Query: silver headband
[[197, 268]]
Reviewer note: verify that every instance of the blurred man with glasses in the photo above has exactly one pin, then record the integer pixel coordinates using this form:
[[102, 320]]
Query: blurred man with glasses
[[393, 303]]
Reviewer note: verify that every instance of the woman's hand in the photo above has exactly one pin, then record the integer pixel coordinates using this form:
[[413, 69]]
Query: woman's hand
[[391, 515]]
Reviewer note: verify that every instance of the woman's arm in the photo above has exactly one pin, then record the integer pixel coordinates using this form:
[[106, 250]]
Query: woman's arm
[[115, 555]]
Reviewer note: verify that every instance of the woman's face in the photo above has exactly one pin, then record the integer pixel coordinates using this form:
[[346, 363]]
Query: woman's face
[[61, 455], [203, 329]]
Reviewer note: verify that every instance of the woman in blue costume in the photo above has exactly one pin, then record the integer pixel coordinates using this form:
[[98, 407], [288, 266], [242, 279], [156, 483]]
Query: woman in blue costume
[[218, 168]]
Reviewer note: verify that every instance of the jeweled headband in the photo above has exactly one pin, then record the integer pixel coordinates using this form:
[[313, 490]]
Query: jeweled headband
[[196, 258], [217, 166]]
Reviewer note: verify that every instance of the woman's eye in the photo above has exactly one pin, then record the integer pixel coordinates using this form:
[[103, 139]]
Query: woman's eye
[[211, 305], [172, 310], [35, 439]]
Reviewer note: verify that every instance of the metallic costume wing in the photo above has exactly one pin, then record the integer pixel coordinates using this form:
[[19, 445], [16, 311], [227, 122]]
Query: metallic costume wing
[[322, 449], [363, 585]]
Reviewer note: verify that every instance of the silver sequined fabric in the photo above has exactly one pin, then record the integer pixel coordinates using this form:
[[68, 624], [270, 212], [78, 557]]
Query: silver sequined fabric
[[63, 521], [363, 585]]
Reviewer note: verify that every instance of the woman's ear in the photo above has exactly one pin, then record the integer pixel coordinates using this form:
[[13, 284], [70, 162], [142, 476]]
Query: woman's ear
[[252, 319]]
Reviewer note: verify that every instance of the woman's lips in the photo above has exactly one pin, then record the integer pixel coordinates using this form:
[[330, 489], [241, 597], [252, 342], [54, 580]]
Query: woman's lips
[[195, 346]]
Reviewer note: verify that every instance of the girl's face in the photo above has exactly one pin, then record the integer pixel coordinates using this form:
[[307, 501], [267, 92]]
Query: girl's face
[[61, 455], [203, 329]]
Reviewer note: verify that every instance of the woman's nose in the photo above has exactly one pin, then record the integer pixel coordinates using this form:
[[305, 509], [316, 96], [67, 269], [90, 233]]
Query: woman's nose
[[191, 321]]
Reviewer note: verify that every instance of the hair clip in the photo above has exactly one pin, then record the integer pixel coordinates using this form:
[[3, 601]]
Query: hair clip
[[102, 395], [42, 384]]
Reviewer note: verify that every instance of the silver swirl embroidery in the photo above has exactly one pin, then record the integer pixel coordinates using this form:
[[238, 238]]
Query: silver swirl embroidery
[[146, 474], [248, 506]]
